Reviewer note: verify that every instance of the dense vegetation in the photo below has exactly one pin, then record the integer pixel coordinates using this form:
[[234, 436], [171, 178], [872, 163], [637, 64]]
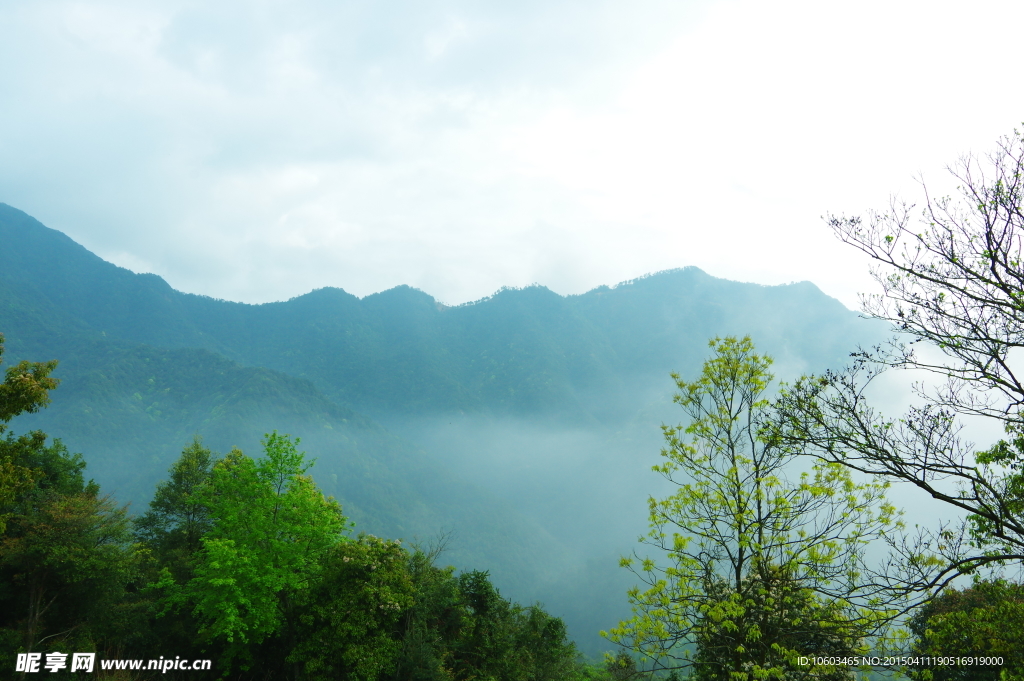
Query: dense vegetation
[[243, 561], [246, 562], [983, 620]]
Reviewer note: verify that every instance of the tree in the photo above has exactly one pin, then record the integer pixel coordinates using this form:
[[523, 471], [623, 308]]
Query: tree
[[952, 283], [26, 387], [351, 616], [271, 530], [985, 620], [65, 562], [461, 628], [761, 567], [171, 531], [66, 558], [504, 640], [25, 390], [771, 607], [433, 625], [178, 517]]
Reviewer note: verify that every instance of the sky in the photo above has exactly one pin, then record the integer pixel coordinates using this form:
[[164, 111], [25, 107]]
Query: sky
[[257, 150]]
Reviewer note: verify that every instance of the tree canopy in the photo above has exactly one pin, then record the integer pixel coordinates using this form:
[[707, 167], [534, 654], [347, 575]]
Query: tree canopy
[[985, 620], [758, 564], [65, 550], [254, 565], [25, 389]]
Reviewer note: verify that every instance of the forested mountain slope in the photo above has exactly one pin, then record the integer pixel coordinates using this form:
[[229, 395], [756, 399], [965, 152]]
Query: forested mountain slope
[[522, 351]]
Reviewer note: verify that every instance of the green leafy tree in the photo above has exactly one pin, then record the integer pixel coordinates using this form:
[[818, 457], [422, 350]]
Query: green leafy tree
[[622, 667], [504, 640], [271, 531], [26, 387], [760, 566], [771, 610], [66, 556], [985, 620], [66, 561], [25, 390], [178, 516], [430, 628], [461, 628], [351, 617], [171, 531]]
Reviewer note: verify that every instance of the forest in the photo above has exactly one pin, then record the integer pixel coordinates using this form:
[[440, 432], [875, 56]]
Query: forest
[[773, 549], [244, 562]]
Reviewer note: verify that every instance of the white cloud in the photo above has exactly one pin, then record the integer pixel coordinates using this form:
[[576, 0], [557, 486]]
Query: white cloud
[[254, 152]]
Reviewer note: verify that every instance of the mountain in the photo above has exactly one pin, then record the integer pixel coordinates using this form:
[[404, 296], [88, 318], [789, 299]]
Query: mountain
[[526, 351], [525, 422]]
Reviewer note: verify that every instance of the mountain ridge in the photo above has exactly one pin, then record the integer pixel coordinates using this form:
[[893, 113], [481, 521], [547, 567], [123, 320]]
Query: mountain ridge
[[527, 350]]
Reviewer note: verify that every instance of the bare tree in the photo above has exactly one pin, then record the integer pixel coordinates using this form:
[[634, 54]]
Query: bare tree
[[952, 280]]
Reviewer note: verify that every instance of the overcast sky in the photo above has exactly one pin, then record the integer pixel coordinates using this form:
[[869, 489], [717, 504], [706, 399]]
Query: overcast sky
[[257, 150]]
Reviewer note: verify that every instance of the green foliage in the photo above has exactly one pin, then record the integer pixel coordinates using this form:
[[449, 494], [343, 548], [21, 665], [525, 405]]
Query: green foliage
[[25, 389], [620, 667], [985, 620], [178, 517], [66, 557], [752, 556], [246, 562], [271, 528], [171, 532], [502, 640], [351, 615], [988, 531], [432, 626], [461, 628], [278, 590], [66, 563], [769, 618]]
